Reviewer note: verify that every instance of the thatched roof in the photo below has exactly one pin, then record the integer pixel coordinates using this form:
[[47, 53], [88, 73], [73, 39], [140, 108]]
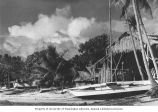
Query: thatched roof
[[124, 42], [83, 77]]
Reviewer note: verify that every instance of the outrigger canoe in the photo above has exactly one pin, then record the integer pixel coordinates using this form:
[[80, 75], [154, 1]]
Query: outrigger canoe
[[111, 90]]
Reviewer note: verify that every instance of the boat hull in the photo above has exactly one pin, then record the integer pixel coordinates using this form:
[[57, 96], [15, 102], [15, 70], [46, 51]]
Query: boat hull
[[107, 92], [113, 95]]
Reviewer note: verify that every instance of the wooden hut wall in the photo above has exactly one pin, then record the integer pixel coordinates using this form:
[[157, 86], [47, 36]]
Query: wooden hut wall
[[128, 63]]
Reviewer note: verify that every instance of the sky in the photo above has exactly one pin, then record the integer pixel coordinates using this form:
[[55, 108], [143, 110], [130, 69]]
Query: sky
[[25, 25], [15, 12]]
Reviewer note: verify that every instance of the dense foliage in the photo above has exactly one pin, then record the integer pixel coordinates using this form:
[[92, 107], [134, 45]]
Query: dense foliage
[[91, 51], [42, 65], [11, 67]]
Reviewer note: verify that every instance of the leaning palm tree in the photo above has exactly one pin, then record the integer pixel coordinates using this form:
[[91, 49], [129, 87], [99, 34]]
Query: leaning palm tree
[[131, 25], [137, 5], [154, 89]]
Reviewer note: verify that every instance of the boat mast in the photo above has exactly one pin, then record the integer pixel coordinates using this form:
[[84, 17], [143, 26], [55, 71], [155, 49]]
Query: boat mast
[[110, 40]]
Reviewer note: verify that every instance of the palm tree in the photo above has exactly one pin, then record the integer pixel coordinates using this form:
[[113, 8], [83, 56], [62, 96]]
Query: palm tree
[[44, 63], [131, 25], [146, 36], [154, 89], [137, 5], [141, 39], [131, 22]]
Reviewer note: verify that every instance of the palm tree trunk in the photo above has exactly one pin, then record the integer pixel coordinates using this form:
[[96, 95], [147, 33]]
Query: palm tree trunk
[[135, 54], [8, 81], [148, 44], [153, 82], [141, 44], [134, 49]]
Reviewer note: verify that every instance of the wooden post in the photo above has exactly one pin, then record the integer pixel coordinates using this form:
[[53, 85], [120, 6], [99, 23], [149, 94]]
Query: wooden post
[[104, 73], [8, 80], [110, 40], [122, 72]]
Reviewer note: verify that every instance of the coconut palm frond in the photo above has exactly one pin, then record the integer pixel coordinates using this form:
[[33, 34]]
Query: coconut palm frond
[[124, 4], [132, 22], [153, 1], [124, 8], [41, 69], [118, 3], [123, 36], [144, 4]]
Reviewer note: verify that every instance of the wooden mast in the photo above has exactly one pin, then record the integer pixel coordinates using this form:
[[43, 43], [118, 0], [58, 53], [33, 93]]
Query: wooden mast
[[110, 40]]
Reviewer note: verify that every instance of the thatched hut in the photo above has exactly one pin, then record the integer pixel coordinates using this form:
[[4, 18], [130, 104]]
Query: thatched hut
[[124, 43], [83, 78], [123, 47], [124, 63]]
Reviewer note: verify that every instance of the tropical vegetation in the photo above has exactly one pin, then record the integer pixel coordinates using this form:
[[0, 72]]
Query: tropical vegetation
[[47, 67]]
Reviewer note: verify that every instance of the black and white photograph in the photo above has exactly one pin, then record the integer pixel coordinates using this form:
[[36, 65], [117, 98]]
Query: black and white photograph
[[78, 53]]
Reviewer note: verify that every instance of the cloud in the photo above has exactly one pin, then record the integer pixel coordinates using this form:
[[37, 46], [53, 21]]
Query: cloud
[[152, 24], [78, 25], [60, 29], [65, 12], [43, 28], [119, 26], [21, 46]]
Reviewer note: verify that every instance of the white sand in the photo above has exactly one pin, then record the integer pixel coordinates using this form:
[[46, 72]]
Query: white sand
[[66, 98], [47, 97], [147, 101]]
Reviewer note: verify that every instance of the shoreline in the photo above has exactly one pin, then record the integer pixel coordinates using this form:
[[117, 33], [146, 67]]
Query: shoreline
[[53, 98]]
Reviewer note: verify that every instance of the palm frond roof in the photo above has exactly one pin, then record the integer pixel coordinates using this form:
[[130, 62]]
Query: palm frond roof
[[83, 77], [124, 42]]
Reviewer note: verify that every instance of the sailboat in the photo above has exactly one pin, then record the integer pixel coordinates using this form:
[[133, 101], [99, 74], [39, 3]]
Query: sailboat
[[106, 87], [111, 90]]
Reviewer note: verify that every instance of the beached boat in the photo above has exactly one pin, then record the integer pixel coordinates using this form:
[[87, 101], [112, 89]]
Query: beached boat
[[108, 73], [11, 91], [111, 90]]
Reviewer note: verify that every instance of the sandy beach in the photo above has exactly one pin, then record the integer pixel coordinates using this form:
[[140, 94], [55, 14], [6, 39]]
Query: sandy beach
[[47, 98], [55, 98]]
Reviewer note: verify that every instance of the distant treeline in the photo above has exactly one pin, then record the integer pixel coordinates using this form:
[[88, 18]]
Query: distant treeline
[[41, 66]]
